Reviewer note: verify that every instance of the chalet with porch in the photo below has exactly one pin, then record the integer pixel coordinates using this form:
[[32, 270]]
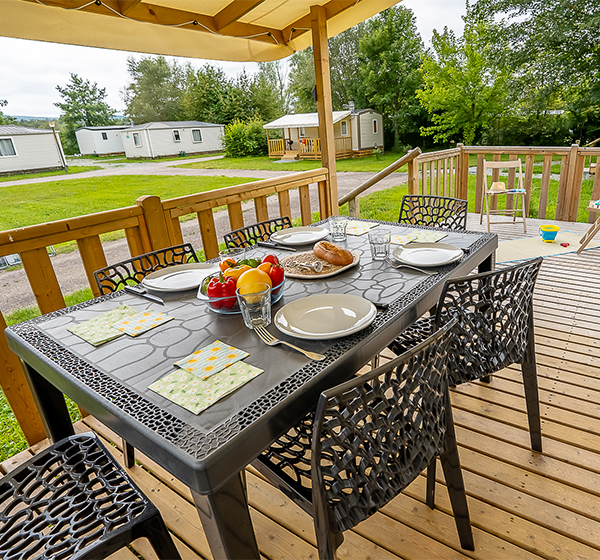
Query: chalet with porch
[[356, 134]]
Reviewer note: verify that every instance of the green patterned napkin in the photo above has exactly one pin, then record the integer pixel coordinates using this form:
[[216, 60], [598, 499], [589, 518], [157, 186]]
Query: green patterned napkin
[[195, 394], [99, 330], [355, 227], [422, 236], [211, 359], [141, 322]]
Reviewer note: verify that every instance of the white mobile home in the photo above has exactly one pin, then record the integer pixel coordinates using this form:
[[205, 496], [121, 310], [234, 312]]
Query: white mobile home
[[356, 134], [101, 140], [158, 139], [29, 149]]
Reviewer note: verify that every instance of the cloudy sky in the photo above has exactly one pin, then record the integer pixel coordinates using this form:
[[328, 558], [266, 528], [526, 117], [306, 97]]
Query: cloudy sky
[[31, 70]]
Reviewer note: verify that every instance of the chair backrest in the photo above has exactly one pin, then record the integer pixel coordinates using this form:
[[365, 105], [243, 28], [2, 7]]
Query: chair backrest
[[512, 164], [374, 434], [132, 271], [439, 211], [495, 319], [250, 235]]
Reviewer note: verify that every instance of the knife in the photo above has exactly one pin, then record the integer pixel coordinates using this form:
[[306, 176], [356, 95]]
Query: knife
[[138, 292], [272, 245]]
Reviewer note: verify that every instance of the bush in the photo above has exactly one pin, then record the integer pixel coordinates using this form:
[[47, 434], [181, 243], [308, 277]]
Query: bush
[[245, 138]]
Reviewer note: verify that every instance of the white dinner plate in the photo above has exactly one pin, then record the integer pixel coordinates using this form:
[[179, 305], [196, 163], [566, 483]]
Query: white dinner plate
[[179, 277], [325, 316], [299, 235], [427, 254]]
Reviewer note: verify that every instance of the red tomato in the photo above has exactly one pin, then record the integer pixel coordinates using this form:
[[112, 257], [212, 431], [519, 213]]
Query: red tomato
[[276, 273], [270, 259]]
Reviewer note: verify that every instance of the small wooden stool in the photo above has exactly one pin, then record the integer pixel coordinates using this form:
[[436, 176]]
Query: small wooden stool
[[593, 230]]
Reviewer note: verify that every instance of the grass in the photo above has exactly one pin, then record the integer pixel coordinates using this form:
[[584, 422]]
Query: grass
[[112, 159], [56, 200], [72, 170], [263, 163]]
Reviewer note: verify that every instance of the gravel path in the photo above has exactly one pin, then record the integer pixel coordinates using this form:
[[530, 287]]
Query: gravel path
[[16, 293]]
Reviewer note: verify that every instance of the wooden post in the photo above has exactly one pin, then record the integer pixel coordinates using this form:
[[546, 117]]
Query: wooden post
[[42, 280], [155, 221], [93, 257], [16, 389], [318, 20], [566, 193], [354, 208], [595, 188], [413, 186]]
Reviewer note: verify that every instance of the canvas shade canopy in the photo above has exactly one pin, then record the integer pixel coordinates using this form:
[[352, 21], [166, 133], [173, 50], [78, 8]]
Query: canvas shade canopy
[[303, 120], [236, 30]]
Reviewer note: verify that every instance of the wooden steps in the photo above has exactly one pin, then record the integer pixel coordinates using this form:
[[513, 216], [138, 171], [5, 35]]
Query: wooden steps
[[524, 505]]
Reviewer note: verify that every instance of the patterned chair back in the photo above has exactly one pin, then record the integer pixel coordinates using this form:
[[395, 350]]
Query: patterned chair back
[[435, 211], [250, 235]]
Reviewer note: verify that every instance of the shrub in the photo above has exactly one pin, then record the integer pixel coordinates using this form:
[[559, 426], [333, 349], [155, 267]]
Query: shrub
[[245, 138]]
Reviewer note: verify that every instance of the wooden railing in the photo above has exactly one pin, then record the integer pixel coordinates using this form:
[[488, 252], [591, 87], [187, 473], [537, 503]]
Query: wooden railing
[[309, 147], [446, 173], [151, 224], [343, 145], [276, 147]]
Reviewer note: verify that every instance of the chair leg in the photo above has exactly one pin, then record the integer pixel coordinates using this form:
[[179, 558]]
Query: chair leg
[[532, 399], [486, 379], [161, 540], [430, 492], [455, 484], [128, 454]]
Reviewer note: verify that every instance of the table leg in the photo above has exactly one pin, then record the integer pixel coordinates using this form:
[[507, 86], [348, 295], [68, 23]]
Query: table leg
[[51, 405], [486, 265], [226, 521]]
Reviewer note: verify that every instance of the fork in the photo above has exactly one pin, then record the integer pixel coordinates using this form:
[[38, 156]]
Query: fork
[[270, 340], [400, 265]]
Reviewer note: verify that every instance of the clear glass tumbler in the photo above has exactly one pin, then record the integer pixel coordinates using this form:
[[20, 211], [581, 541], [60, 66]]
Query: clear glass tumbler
[[255, 304], [337, 226], [379, 240]]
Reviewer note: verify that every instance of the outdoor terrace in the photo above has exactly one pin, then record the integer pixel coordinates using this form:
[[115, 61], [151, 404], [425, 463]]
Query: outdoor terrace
[[523, 505]]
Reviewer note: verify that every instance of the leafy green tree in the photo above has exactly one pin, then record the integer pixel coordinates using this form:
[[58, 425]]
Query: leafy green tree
[[245, 138], [206, 89], [84, 104], [464, 88], [155, 92], [268, 91], [389, 59], [5, 119], [555, 50], [302, 81]]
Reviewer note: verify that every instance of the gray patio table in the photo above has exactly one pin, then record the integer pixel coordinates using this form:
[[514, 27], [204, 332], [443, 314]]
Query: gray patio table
[[209, 451]]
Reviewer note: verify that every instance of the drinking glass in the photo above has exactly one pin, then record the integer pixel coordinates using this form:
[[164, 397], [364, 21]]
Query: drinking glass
[[255, 304], [337, 225], [379, 239]]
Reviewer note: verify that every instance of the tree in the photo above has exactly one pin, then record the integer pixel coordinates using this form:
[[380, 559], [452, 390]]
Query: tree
[[464, 88], [302, 81], [390, 56], [156, 90], [269, 95], [5, 119], [84, 104]]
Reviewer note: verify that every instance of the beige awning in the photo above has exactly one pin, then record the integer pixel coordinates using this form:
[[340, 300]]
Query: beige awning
[[303, 120], [238, 30]]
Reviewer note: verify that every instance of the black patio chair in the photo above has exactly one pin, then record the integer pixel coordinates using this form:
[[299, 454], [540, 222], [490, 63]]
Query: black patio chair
[[132, 271], [116, 276], [495, 329], [435, 211], [368, 439], [74, 501], [250, 235]]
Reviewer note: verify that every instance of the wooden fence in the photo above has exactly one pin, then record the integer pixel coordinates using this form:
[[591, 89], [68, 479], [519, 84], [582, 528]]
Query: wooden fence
[[151, 224], [446, 173]]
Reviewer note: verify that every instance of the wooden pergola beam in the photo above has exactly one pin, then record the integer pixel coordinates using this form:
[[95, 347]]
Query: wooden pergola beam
[[234, 11], [324, 103]]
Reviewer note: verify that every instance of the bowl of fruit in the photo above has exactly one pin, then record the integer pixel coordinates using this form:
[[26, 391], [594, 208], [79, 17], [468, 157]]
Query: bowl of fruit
[[218, 289]]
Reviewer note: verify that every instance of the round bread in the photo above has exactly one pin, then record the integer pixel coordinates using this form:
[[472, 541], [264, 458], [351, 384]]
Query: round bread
[[333, 254]]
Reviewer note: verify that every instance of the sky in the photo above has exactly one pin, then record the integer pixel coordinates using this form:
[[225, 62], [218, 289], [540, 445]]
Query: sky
[[31, 70]]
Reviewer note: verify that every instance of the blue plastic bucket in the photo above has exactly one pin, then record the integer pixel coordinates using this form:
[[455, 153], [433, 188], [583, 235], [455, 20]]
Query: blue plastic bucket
[[548, 233]]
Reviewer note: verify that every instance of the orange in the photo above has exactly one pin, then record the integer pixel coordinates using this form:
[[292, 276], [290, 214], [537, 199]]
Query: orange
[[252, 277], [265, 266], [235, 273], [227, 264]]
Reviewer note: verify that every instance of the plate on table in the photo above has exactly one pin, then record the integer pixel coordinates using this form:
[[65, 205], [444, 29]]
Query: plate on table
[[179, 278], [427, 254], [294, 271], [325, 316], [299, 235]]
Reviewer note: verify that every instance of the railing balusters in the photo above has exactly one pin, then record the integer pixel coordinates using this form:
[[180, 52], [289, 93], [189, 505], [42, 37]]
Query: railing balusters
[[93, 257]]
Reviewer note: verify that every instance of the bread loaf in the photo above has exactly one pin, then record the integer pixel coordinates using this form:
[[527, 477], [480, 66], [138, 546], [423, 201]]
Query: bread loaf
[[333, 253]]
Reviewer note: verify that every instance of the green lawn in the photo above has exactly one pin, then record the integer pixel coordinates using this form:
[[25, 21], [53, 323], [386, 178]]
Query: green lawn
[[263, 163], [56, 200], [120, 159], [72, 169]]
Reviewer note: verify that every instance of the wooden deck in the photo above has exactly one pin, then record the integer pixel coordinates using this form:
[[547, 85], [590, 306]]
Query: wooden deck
[[523, 505]]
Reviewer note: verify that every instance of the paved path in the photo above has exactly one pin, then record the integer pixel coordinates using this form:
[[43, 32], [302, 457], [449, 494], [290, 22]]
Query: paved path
[[15, 292]]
